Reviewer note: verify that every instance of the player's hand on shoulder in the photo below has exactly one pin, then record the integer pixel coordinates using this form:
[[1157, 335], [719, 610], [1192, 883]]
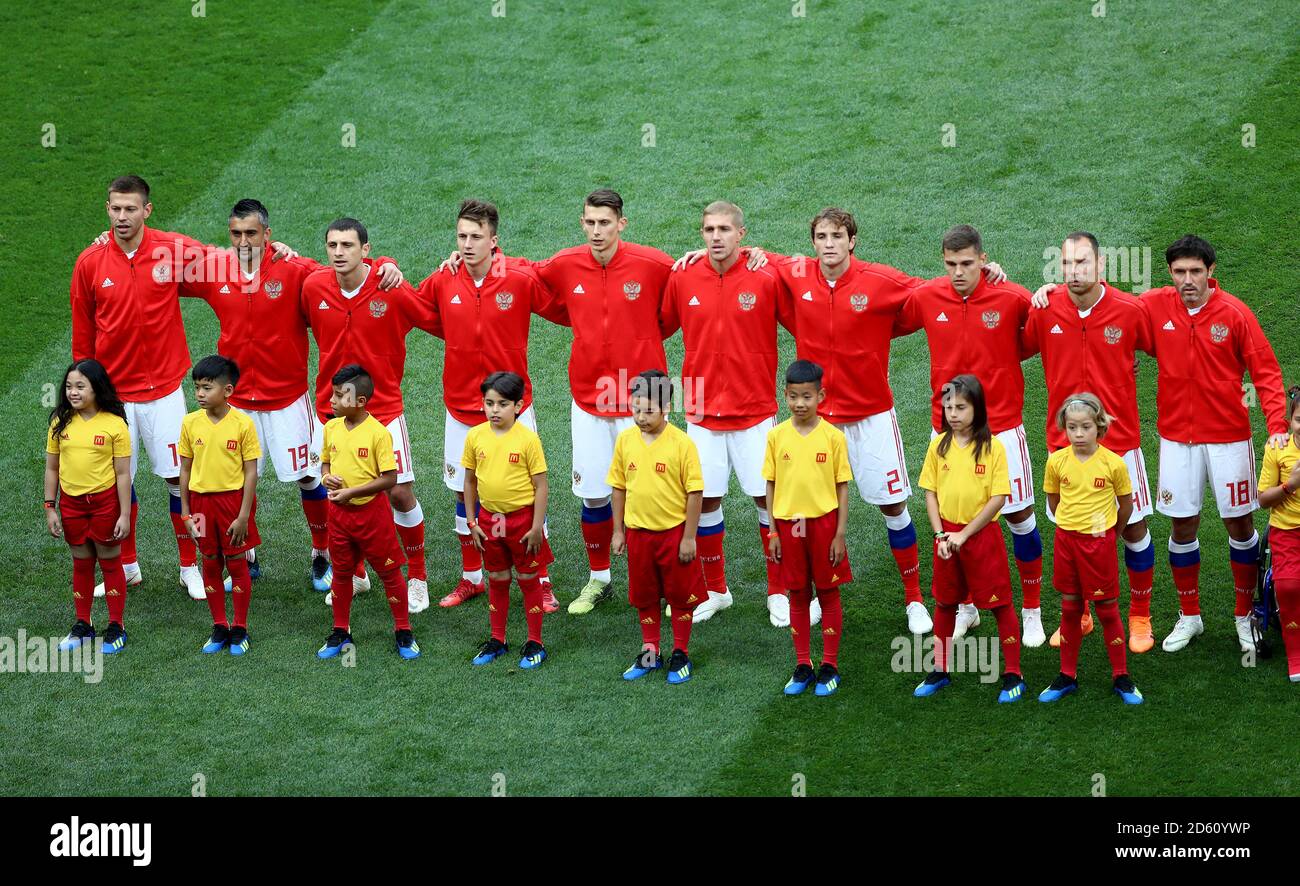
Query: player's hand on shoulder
[[281, 251], [451, 264], [993, 272], [1039, 299], [390, 276], [689, 258], [757, 257], [100, 240], [1279, 441]]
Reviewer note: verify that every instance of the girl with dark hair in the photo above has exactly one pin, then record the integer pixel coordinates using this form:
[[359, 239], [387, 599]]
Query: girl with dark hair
[[88, 494], [966, 483]]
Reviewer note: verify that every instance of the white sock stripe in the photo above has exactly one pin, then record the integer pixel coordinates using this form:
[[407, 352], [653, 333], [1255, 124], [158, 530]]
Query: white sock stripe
[[762, 516], [1244, 545], [711, 518], [1140, 545], [462, 525], [898, 521], [1024, 527], [413, 517], [1184, 547]]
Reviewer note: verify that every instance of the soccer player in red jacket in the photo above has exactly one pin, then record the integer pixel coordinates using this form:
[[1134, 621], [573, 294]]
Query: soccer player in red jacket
[[1089, 334], [258, 303], [611, 290], [728, 315], [125, 314], [482, 310], [1205, 339], [973, 327], [354, 322]]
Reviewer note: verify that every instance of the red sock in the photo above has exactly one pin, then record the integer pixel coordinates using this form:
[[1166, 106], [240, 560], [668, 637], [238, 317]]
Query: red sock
[[83, 586], [471, 560], [1288, 602], [649, 617], [832, 625], [909, 570], [682, 629], [395, 592], [114, 586], [129, 554], [1139, 592], [1187, 579], [945, 619], [189, 553], [215, 587], [773, 567], [1071, 636], [533, 612], [1244, 578], [498, 606], [413, 544], [709, 549], [241, 589], [1031, 583], [1112, 629], [801, 625], [1009, 637], [316, 511], [341, 588], [597, 536]]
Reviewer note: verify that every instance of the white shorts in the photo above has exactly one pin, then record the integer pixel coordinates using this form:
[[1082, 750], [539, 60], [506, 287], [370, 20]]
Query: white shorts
[[1020, 470], [876, 456], [453, 447], [401, 448], [286, 435], [1229, 468], [1136, 463], [593, 450], [721, 452], [155, 427]]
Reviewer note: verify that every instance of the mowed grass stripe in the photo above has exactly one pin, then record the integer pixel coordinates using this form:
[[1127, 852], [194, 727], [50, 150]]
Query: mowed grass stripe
[[148, 89]]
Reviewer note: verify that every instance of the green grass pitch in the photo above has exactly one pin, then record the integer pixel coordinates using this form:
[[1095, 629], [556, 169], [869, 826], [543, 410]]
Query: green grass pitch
[[1130, 124]]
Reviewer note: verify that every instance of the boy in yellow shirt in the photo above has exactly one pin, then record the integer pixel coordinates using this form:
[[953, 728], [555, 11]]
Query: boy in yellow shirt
[[219, 450], [658, 489], [88, 466], [358, 467], [806, 466], [505, 469]]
